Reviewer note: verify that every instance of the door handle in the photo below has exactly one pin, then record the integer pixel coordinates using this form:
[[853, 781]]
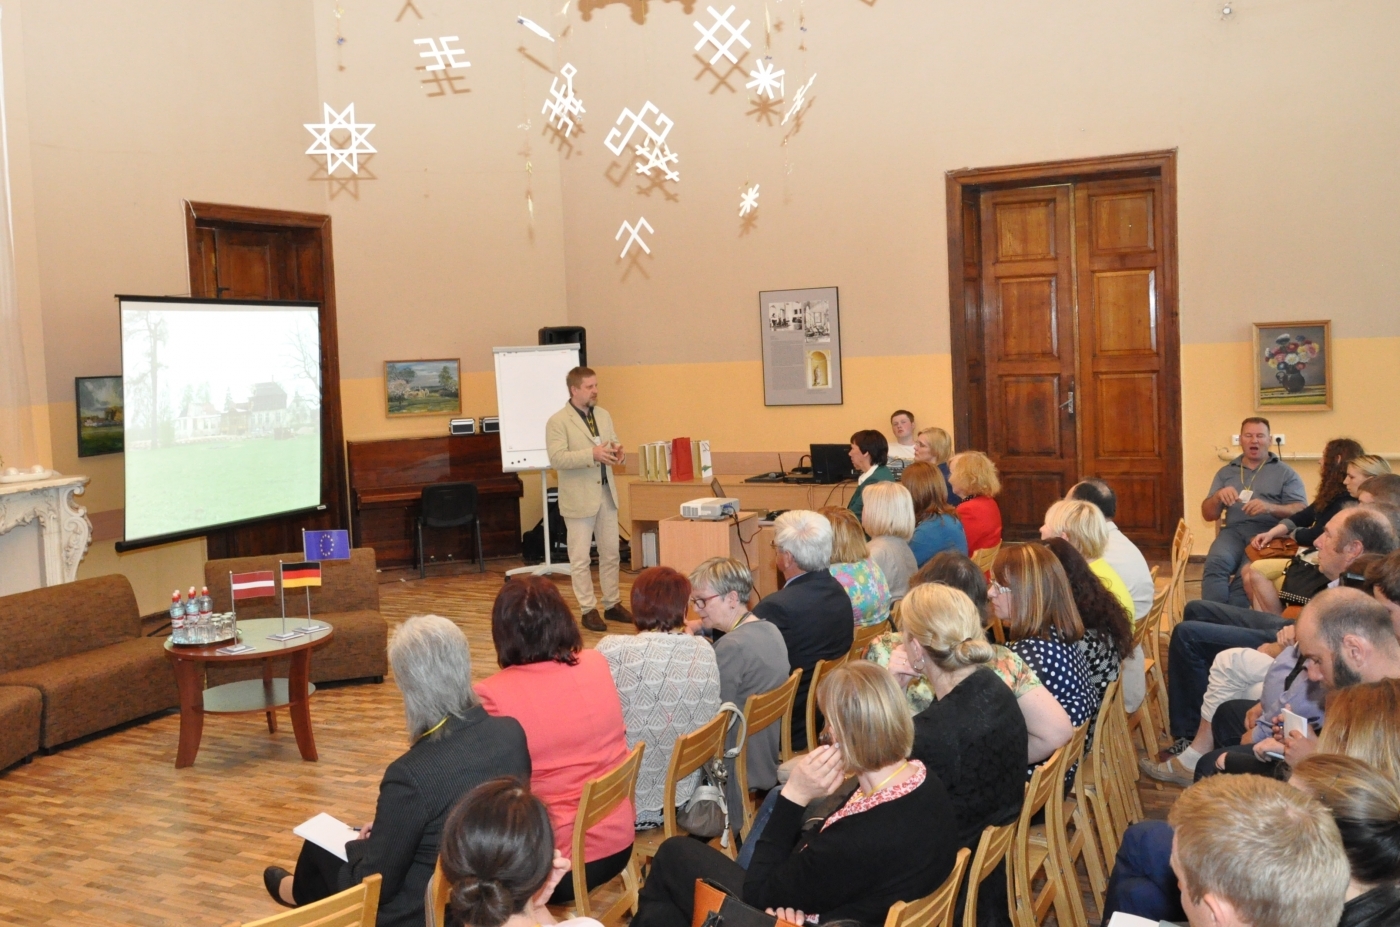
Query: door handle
[[1068, 404]]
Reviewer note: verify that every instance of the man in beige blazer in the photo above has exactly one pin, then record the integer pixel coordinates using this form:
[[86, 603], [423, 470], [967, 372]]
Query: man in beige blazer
[[583, 448]]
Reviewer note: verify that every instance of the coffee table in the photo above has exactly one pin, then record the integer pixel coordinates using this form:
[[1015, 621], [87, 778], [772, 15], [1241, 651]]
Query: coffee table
[[251, 696]]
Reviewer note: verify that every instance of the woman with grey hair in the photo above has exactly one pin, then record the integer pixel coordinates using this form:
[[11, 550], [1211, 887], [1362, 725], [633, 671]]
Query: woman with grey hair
[[752, 659], [454, 746]]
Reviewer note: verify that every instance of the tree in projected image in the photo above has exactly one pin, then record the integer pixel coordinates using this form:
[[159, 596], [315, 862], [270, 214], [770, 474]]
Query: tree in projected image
[[150, 332]]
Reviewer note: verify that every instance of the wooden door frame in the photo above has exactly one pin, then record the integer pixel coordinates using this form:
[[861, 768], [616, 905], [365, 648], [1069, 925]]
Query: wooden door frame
[[968, 184], [220, 215]]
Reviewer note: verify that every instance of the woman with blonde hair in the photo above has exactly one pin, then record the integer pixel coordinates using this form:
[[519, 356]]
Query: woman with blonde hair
[[1083, 525], [933, 446], [1364, 721], [936, 524], [855, 569], [892, 840], [973, 476], [888, 518]]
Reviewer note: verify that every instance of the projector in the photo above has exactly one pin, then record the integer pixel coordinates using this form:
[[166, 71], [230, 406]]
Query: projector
[[711, 508]]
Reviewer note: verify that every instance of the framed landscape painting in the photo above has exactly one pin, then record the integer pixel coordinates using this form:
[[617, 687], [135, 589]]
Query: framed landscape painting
[[423, 387], [1293, 366], [99, 404]]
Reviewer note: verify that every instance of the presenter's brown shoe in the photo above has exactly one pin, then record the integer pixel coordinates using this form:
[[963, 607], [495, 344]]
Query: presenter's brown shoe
[[593, 621], [618, 613]]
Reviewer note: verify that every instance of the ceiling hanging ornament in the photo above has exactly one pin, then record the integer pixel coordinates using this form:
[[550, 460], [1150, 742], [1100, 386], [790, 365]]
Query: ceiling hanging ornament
[[748, 201], [534, 27], [445, 56], [798, 99], [767, 81], [634, 234], [563, 104], [324, 145], [710, 35], [653, 148]]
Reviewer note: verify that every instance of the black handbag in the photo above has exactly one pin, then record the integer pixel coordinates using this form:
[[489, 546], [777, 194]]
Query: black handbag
[[1301, 581]]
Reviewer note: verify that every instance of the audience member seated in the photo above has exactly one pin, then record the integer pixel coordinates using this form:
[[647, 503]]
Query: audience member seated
[[869, 451], [1366, 806], [667, 680], [973, 477], [1255, 491], [933, 446], [454, 745], [1108, 633], [902, 426], [1380, 489], [752, 659], [1119, 552], [854, 568], [1030, 594], [1082, 524], [888, 519], [1047, 724], [812, 609], [892, 840], [498, 856], [936, 527], [972, 738], [565, 699]]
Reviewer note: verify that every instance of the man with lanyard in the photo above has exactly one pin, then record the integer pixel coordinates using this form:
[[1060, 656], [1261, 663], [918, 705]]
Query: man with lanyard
[[1254, 490], [582, 448]]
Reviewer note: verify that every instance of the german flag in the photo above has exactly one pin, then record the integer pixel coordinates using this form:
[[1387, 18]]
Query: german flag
[[296, 575]]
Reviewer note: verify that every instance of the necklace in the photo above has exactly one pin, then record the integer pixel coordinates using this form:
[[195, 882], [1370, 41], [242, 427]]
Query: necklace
[[741, 620], [1250, 485], [432, 730], [883, 782]]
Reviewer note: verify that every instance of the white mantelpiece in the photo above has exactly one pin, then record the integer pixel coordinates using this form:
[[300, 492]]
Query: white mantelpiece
[[44, 532]]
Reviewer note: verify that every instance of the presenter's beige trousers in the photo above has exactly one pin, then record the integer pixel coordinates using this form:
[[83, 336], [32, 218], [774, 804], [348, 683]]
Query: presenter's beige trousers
[[581, 534]]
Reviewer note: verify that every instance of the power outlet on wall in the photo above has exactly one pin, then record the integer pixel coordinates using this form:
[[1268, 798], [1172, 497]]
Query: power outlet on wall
[[1278, 439]]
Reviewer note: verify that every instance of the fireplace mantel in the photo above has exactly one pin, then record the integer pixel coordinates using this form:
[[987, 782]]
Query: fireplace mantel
[[62, 537]]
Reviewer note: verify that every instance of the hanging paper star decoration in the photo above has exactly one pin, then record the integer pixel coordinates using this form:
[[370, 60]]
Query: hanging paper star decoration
[[799, 99], [335, 157], [634, 233], [748, 201], [767, 80]]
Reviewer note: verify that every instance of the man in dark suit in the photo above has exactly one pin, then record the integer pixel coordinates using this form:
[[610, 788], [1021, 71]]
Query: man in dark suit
[[812, 609]]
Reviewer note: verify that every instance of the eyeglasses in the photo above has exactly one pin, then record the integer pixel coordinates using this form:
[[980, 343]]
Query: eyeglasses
[[699, 601], [995, 589]]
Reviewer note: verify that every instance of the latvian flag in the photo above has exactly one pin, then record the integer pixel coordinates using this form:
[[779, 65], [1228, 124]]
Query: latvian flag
[[296, 575], [252, 585]]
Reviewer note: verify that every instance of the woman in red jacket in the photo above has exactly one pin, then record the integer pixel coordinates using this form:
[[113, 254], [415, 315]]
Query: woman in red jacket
[[974, 477]]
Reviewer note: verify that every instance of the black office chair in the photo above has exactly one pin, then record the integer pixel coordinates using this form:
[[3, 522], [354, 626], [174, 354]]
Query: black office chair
[[449, 505]]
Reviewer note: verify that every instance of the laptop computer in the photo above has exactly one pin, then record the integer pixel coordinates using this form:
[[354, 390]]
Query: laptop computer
[[831, 463]]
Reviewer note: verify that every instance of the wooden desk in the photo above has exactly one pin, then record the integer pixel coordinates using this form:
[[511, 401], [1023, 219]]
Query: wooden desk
[[685, 543], [387, 480], [651, 503]]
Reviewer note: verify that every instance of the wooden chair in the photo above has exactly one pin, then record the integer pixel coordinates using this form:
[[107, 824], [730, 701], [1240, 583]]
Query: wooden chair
[[760, 711], [992, 848], [822, 667], [864, 637], [691, 751], [355, 907], [985, 557], [1142, 720], [935, 910], [1030, 908], [1099, 786], [442, 893], [1062, 811], [600, 798]]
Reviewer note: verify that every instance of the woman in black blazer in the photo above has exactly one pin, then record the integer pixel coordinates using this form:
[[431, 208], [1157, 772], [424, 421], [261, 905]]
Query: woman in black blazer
[[454, 746]]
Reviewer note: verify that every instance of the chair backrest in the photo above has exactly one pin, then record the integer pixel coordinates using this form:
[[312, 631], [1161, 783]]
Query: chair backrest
[[1107, 773], [691, 751], [355, 907], [985, 557], [760, 712], [448, 505], [600, 797], [863, 637], [933, 910], [822, 667], [992, 848], [1027, 907], [1057, 829], [1150, 622], [441, 894]]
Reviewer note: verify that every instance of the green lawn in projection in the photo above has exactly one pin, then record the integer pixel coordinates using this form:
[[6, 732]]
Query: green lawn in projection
[[171, 489]]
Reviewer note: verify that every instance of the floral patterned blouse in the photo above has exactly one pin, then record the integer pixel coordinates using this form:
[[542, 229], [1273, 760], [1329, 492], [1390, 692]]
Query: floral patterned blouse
[[865, 583], [1013, 671]]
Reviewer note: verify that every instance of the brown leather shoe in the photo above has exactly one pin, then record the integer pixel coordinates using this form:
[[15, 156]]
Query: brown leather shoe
[[618, 613], [593, 621]]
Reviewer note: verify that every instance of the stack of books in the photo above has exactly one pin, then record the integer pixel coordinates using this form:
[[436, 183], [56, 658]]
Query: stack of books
[[679, 460]]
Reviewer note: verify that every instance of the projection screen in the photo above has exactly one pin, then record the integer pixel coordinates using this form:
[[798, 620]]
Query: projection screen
[[222, 413]]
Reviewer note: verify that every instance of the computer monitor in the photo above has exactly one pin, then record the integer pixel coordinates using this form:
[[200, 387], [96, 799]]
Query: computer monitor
[[831, 463]]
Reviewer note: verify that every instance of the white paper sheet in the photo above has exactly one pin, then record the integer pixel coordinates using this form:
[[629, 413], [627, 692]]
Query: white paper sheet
[[327, 833], [1119, 919]]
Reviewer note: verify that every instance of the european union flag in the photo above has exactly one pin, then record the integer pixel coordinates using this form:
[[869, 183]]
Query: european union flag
[[333, 544]]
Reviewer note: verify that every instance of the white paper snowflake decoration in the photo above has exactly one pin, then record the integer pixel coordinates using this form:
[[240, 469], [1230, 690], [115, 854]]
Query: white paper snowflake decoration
[[799, 99], [562, 105], [748, 201], [617, 140], [710, 35], [634, 233], [657, 154], [767, 80], [446, 56], [335, 157]]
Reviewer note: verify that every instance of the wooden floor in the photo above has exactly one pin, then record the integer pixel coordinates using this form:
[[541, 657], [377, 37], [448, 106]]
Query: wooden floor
[[109, 832]]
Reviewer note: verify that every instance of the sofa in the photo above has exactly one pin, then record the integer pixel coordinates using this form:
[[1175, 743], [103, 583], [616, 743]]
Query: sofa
[[347, 599], [73, 662]]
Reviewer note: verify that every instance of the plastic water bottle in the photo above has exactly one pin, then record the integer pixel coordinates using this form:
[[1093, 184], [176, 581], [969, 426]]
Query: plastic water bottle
[[177, 619], [206, 604], [192, 614]]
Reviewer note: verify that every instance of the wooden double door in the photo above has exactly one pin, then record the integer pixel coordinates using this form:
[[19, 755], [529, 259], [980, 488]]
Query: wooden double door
[[1070, 346]]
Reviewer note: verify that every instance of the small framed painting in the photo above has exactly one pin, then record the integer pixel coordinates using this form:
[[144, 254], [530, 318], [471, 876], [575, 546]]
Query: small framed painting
[[99, 404], [423, 387], [1293, 366]]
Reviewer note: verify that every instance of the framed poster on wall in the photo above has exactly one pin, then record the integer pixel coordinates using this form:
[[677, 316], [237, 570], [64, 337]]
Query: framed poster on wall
[[1293, 366], [801, 334]]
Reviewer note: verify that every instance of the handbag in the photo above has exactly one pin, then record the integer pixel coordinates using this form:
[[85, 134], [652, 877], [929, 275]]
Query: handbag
[[706, 813], [1301, 581], [1277, 549], [715, 907]]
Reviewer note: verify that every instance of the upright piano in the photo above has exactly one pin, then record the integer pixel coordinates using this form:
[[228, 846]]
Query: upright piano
[[386, 484]]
